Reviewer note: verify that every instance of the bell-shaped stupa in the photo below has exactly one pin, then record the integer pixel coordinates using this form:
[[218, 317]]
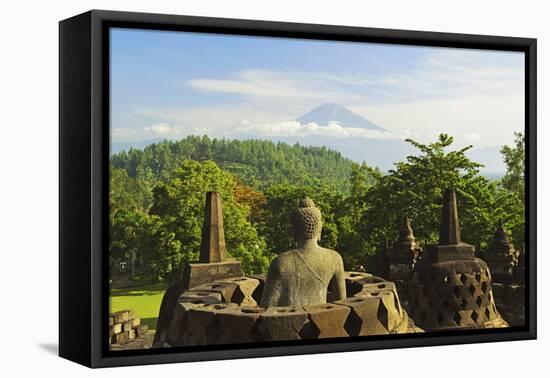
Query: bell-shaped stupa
[[451, 288]]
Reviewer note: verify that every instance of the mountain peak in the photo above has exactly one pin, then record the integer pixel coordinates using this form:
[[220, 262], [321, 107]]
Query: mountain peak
[[328, 112]]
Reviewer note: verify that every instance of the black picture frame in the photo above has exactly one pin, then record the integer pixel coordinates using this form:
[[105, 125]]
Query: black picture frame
[[83, 180]]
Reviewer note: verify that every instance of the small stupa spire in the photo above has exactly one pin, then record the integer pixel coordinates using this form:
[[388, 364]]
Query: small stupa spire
[[406, 235], [500, 237], [449, 233], [213, 239]]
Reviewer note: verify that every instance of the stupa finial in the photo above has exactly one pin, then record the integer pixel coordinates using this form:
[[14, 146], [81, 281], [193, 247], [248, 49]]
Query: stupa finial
[[406, 232], [449, 233], [213, 239]]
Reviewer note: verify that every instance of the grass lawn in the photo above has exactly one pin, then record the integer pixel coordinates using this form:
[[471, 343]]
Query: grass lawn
[[143, 300]]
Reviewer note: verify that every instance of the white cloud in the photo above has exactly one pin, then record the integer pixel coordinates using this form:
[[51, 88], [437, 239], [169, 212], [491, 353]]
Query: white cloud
[[282, 85], [476, 96], [442, 73], [297, 129], [163, 129], [169, 131]]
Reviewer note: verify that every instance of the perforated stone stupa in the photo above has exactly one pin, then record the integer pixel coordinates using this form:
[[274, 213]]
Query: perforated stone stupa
[[502, 257], [451, 288], [403, 254]]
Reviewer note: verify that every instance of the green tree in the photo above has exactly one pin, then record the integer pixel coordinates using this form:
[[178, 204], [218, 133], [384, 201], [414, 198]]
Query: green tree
[[514, 182], [160, 250], [353, 245], [415, 188], [514, 158], [179, 203]]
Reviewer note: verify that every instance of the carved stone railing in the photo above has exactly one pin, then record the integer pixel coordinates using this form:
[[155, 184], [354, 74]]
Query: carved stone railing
[[226, 312]]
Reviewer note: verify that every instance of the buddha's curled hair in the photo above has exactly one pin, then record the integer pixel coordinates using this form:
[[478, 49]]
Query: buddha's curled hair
[[307, 219]]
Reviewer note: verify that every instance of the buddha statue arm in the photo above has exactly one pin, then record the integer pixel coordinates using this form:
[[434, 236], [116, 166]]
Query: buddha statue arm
[[338, 281], [273, 286]]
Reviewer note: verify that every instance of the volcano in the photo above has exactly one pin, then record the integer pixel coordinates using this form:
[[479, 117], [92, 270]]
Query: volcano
[[327, 113]]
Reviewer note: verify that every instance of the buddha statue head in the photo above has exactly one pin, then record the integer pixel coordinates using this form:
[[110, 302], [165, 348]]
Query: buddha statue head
[[307, 221]]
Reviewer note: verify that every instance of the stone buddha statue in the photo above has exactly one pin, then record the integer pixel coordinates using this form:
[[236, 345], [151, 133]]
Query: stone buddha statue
[[302, 276]]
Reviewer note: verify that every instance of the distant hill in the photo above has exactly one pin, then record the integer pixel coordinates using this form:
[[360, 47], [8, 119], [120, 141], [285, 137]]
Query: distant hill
[[327, 113], [257, 163]]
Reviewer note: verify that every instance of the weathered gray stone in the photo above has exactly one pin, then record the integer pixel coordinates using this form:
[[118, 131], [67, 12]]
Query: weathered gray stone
[[402, 256], [142, 329], [225, 289], [354, 283], [282, 323], [115, 328], [203, 328], [121, 316], [451, 288], [449, 232], [302, 276], [188, 330], [120, 338], [502, 257], [238, 324], [362, 320], [245, 287], [325, 320], [205, 297], [213, 239], [196, 274], [257, 294]]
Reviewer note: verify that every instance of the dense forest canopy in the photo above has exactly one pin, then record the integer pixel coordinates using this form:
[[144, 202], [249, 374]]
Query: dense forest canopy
[[257, 163], [157, 198]]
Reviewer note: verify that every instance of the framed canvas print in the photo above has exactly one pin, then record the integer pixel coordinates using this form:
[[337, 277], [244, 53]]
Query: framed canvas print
[[235, 188]]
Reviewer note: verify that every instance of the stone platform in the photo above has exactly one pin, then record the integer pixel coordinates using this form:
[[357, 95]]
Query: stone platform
[[226, 312]]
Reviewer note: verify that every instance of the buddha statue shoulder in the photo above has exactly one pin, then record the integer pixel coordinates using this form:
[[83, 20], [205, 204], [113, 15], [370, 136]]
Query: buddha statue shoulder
[[303, 275]]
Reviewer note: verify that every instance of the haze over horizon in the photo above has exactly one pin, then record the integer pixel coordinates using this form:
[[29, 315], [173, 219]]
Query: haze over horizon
[[167, 85]]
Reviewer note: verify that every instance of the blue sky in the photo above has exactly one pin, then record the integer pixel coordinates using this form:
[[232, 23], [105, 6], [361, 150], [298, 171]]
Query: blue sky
[[173, 84]]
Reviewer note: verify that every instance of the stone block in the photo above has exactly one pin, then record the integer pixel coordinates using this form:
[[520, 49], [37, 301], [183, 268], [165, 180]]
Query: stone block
[[111, 320], [406, 325], [363, 318], [389, 311], [120, 338], [226, 289], [127, 326], [325, 320], [196, 274], [136, 322], [282, 323], [183, 331], [444, 253], [257, 294], [197, 297], [121, 316], [244, 290], [238, 324], [142, 330], [114, 329], [202, 326], [354, 282]]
